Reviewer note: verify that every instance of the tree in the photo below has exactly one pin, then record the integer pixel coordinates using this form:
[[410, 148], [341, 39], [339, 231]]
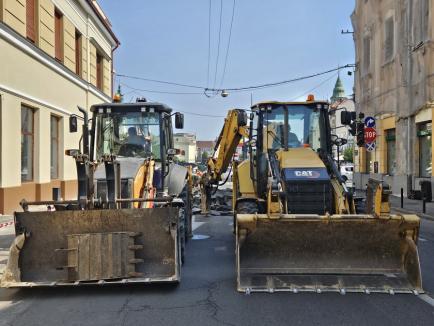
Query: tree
[[349, 154], [204, 157]]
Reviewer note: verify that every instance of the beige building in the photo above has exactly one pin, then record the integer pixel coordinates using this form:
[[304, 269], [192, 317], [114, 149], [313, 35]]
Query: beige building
[[186, 143], [394, 83], [55, 55]]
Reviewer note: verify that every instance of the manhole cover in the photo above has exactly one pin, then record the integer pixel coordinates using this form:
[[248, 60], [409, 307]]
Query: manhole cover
[[200, 237]]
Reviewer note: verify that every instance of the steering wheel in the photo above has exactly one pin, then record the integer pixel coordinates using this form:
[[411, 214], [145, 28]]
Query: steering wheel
[[130, 150]]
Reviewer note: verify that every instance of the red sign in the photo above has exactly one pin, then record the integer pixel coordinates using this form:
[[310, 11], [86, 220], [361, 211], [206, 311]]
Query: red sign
[[370, 135]]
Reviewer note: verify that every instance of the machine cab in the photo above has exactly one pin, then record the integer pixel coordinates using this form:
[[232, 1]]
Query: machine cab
[[136, 130]]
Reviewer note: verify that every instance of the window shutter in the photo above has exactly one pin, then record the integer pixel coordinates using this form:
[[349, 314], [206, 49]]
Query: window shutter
[[58, 35], [30, 20], [99, 71], [78, 58]]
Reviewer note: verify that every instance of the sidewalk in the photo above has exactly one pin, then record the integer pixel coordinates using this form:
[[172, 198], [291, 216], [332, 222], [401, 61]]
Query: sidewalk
[[412, 206]]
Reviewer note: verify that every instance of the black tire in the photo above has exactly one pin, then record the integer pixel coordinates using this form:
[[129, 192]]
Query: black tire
[[245, 207]]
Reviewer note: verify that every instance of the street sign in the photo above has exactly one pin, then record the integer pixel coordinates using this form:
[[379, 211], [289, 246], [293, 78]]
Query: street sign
[[370, 147], [370, 135], [370, 122]]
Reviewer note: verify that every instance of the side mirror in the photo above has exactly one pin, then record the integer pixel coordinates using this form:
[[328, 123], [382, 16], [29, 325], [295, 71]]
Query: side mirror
[[179, 120], [72, 152], [73, 123]]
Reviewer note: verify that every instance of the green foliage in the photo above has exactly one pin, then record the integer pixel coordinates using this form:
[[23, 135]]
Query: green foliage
[[349, 154], [204, 157]]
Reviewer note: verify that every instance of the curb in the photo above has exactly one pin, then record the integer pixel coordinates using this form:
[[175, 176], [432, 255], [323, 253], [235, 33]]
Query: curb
[[421, 215]]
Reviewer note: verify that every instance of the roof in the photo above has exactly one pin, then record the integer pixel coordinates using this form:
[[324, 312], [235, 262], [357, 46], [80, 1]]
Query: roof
[[338, 91], [289, 103], [103, 18], [205, 143], [160, 107]]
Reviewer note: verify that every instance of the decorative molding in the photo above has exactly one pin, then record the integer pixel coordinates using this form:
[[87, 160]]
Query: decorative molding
[[12, 37]]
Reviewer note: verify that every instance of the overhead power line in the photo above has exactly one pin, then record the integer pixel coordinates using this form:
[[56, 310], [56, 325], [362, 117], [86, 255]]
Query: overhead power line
[[218, 44], [159, 92], [239, 89], [209, 42], [228, 45]]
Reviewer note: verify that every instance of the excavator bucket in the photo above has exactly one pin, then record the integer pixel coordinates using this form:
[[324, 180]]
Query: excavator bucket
[[311, 253], [82, 247]]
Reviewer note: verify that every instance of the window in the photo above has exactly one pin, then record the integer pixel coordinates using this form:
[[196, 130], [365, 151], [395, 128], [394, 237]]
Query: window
[[31, 20], [389, 40], [129, 134], [78, 55], [58, 39], [366, 64], [27, 135], [425, 149], [391, 151], [421, 22], [54, 147], [99, 70]]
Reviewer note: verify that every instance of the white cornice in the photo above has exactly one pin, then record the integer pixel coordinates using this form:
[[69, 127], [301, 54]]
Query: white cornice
[[10, 36]]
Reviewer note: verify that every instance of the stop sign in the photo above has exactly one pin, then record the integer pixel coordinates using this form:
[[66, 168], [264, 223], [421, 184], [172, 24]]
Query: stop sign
[[370, 135]]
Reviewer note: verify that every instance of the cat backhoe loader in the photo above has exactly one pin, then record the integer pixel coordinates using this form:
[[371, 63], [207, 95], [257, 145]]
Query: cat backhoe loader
[[129, 222], [296, 225]]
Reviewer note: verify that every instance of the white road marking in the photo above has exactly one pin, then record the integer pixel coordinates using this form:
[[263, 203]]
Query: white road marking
[[427, 299], [422, 239], [195, 224]]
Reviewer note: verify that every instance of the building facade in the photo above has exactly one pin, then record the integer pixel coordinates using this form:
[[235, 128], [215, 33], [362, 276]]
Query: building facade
[[204, 146], [340, 102], [55, 55], [394, 83], [186, 143]]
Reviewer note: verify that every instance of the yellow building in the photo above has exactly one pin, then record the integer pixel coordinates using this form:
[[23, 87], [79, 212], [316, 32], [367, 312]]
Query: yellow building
[[55, 55], [394, 83]]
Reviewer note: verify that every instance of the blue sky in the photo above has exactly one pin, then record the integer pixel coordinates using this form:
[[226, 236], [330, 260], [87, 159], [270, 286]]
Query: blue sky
[[271, 41]]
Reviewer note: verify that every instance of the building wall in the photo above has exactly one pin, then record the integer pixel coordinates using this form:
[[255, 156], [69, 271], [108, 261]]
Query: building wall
[[30, 76], [186, 143], [397, 89]]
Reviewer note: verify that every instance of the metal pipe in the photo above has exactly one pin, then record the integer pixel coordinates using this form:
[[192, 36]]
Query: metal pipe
[[85, 131]]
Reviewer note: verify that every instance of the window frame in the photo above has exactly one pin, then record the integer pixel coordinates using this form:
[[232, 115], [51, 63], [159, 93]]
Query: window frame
[[366, 64], [32, 135], [57, 139], [388, 57]]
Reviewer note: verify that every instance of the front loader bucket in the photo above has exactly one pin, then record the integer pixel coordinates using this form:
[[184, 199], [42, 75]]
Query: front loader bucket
[[328, 254], [94, 247]]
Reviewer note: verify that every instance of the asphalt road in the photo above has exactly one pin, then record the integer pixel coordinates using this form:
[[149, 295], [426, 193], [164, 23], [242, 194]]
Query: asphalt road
[[207, 296]]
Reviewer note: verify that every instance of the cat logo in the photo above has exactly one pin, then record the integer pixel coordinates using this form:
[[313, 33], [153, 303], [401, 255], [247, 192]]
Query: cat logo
[[307, 174]]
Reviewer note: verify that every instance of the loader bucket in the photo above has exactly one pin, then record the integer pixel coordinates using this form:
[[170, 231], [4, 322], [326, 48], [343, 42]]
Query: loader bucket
[[94, 247], [311, 253]]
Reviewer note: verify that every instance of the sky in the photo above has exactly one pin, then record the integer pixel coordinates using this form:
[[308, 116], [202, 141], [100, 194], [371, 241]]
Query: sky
[[271, 41]]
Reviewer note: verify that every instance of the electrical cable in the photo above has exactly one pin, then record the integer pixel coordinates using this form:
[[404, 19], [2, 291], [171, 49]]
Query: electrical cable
[[159, 92], [314, 88], [209, 42], [228, 45], [218, 44], [240, 89]]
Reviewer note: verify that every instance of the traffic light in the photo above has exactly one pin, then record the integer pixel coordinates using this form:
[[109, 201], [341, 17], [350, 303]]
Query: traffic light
[[360, 134]]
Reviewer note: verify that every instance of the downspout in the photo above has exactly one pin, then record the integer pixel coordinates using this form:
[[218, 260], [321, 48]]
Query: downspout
[[410, 98], [112, 72]]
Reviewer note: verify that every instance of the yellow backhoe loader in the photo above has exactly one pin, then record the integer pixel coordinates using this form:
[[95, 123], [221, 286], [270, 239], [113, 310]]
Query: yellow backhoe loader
[[296, 224], [129, 222]]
